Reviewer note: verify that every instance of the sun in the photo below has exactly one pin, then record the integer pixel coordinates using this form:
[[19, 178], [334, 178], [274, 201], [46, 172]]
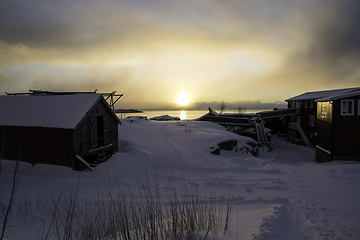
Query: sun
[[183, 99]]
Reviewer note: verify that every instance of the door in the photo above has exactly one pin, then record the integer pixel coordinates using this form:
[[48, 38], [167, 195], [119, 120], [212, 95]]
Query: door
[[100, 131]]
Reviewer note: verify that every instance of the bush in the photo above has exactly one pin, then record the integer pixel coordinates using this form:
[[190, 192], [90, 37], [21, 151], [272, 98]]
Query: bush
[[147, 213]]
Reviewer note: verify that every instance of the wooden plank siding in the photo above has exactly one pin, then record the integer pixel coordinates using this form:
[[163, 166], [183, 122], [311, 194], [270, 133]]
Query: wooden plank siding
[[38, 145], [305, 116], [86, 133], [324, 122], [97, 132], [338, 135], [346, 132]]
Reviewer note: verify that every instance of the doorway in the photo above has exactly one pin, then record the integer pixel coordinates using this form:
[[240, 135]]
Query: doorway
[[100, 131]]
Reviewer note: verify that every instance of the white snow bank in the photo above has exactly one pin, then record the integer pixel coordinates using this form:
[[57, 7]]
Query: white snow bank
[[282, 194], [165, 118]]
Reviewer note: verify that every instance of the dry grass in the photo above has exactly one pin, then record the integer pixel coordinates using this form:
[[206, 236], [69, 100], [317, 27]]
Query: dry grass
[[147, 213]]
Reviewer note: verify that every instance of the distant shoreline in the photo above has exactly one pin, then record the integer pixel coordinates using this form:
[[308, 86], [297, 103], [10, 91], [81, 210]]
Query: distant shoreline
[[191, 109], [182, 113], [127, 111]]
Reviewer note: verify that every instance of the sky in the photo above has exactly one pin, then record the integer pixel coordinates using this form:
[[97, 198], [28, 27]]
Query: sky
[[242, 52]]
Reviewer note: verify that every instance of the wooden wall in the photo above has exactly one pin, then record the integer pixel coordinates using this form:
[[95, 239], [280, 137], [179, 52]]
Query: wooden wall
[[324, 123], [60, 146], [37, 145], [346, 132], [338, 134], [86, 133]]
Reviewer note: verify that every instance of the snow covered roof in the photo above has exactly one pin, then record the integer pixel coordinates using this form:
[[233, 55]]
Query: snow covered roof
[[53, 111], [339, 96], [323, 94]]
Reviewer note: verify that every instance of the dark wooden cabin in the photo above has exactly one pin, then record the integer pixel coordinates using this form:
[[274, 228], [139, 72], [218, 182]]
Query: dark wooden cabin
[[57, 129], [302, 125], [338, 127]]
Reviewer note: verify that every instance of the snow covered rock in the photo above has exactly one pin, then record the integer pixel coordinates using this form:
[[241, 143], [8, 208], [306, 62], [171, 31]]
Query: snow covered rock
[[165, 118], [235, 145]]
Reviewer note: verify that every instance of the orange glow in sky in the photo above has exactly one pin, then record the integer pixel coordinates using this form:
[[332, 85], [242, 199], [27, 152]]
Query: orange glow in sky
[[243, 52]]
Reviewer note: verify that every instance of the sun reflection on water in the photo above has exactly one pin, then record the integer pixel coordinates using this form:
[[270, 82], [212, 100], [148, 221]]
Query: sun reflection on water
[[182, 115]]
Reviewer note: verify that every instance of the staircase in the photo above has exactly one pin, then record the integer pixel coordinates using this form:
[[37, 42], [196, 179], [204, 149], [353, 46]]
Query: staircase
[[258, 124], [305, 139]]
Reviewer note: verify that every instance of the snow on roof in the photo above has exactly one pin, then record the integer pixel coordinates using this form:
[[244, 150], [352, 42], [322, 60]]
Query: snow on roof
[[339, 96], [53, 111], [322, 94]]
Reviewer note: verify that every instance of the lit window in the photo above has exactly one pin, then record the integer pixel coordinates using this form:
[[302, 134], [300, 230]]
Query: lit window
[[312, 121], [323, 110], [347, 107]]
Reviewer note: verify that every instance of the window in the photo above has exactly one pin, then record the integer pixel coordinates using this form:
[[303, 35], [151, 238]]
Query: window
[[347, 107], [323, 110], [312, 121], [359, 107], [292, 118], [311, 104], [306, 104]]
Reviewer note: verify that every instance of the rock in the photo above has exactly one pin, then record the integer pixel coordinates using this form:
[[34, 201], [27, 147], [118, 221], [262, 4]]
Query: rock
[[165, 118], [216, 151], [228, 145]]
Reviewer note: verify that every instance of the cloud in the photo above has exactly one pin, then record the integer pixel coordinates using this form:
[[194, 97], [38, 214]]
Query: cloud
[[4, 78], [331, 52], [154, 50]]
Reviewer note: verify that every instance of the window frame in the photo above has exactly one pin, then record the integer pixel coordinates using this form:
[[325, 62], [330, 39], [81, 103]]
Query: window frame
[[311, 103], [345, 112], [312, 120]]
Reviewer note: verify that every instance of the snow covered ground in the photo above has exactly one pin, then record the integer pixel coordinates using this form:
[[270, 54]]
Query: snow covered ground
[[281, 194]]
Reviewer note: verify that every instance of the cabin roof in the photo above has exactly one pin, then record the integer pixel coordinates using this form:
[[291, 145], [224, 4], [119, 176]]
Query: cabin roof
[[53, 111], [323, 94], [339, 96]]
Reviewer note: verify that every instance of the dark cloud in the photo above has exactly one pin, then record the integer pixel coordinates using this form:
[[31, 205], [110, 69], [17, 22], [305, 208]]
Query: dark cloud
[[340, 36], [34, 23], [210, 49], [332, 53]]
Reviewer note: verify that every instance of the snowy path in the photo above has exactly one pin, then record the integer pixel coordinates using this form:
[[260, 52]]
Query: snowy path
[[278, 195], [315, 217], [283, 194]]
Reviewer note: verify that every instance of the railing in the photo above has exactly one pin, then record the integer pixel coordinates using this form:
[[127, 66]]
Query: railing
[[296, 126], [254, 125], [258, 124], [233, 121], [279, 113]]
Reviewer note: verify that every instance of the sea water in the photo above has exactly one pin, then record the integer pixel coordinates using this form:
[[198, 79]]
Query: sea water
[[182, 114]]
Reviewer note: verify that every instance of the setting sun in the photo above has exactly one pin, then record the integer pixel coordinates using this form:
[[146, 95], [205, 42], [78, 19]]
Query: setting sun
[[182, 99]]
